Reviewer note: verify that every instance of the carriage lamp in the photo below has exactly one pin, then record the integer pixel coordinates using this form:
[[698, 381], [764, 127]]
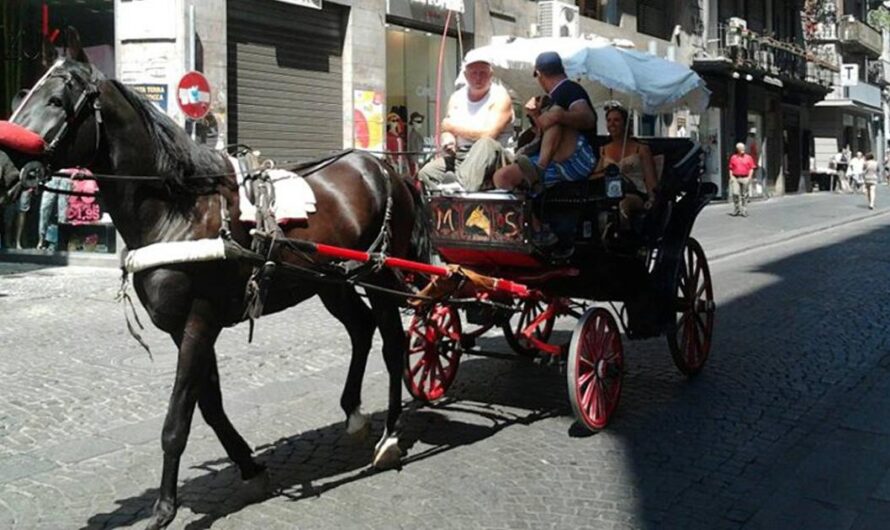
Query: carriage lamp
[[613, 182]]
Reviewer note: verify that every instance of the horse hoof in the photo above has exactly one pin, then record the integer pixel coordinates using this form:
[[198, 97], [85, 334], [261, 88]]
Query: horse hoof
[[163, 514], [254, 471], [387, 455], [260, 485], [358, 426]]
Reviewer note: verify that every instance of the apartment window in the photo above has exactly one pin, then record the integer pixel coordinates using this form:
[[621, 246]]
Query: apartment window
[[590, 8], [652, 19]]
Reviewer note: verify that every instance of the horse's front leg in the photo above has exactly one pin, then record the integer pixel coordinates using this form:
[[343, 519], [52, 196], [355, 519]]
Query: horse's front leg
[[193, 367], [211, 405]]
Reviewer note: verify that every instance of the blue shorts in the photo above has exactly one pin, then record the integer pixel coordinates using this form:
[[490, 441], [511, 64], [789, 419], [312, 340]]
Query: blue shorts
[[25, 200], [577, 167]]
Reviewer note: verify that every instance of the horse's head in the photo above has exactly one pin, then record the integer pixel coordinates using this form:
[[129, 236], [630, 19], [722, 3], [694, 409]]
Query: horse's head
[[56, 124]]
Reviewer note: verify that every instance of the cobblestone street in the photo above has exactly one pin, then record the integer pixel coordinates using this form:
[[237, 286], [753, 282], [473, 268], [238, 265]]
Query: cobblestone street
[[788, 425]]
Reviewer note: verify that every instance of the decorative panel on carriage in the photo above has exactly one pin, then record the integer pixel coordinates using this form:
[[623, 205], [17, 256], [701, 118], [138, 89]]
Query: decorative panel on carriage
[[490, 229]]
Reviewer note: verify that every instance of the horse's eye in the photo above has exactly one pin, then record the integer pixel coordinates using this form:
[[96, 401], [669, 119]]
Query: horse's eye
[[55, 102]]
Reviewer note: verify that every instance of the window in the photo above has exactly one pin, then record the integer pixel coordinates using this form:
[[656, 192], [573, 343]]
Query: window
[[652, 19], [412, 58], [590, 8]]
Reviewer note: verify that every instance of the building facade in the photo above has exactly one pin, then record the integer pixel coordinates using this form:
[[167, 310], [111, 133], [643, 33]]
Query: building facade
[[851, 116], [765, 83]]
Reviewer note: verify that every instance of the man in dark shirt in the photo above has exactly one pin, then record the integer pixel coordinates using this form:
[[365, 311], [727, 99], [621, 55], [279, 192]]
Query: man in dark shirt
[[567, 129]]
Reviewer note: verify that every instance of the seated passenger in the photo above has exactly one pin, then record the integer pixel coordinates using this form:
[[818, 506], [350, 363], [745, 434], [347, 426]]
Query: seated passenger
[[634, 161], [475, 133], [567, 130]]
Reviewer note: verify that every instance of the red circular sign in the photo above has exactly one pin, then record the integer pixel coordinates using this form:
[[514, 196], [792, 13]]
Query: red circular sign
[[193, 95]]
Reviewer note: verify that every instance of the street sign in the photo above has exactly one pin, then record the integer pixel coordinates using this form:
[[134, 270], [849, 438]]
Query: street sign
[[849, 74], [193, 95]]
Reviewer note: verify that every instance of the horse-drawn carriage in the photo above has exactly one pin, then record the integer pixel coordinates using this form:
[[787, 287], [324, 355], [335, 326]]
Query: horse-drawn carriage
[[648, 262], [651, 265], [177, 206]]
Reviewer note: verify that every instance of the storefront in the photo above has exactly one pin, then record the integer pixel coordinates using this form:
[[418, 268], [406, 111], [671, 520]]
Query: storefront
[[285, 77], [415, 33], [48, 222]]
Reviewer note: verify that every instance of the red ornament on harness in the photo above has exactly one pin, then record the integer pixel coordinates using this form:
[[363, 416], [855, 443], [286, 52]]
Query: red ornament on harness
[[20, 139]]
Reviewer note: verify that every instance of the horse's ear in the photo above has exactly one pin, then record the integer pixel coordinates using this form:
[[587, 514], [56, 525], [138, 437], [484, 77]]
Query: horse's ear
[[74, 49], [48, 53]]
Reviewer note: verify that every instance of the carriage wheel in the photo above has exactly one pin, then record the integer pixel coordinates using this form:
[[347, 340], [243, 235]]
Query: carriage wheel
[[433, 352], [531, 314], [595, 368], [689, 337]]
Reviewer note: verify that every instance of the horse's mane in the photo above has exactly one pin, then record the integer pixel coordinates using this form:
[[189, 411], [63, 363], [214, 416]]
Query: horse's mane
[[178, 159]]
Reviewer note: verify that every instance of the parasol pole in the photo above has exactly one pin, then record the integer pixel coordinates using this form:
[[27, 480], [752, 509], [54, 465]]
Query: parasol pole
[[439, 81]]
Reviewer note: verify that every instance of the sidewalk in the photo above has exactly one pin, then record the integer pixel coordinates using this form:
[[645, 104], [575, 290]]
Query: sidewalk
[[781, 219]]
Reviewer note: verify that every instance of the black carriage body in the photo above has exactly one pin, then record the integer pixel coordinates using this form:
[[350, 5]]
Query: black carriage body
[[492, 233]]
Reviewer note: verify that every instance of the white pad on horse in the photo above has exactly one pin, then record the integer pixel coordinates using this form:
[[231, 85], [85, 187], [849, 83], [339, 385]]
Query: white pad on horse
[[294, 199]]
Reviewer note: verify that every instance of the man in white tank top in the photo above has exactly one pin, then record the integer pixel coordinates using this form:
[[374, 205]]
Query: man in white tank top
[[476, 132]]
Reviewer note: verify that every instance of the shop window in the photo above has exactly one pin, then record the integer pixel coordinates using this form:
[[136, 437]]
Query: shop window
[[412, 58], [647, 124]]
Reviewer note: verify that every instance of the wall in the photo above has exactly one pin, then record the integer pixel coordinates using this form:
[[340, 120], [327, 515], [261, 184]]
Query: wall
[[364, 56], [150, 45], [210, 25]]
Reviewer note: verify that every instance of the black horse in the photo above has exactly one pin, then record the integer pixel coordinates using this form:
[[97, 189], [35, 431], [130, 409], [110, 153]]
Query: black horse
[[100, 124]]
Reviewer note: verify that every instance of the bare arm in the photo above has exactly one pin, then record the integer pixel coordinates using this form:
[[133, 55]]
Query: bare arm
[[496, 120]]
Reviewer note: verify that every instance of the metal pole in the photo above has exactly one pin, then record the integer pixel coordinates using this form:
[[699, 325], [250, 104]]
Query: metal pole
[[885, 58], [191, 54]]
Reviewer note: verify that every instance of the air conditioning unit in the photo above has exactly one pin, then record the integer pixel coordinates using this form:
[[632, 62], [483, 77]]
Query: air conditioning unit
[[556, 19]]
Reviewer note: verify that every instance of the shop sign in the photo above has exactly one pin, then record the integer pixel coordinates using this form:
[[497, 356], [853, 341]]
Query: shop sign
[[434, 12], [156, 93], [450, 5], [849, 74], [314, 4]]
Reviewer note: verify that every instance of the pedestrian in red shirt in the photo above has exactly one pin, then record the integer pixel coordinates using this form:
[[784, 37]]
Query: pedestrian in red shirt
[[741, 169]]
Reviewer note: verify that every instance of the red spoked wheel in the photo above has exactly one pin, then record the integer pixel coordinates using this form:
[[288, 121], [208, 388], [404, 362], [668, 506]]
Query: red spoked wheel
[[433, 352], [689, 337], [536, 317], [595, 368]]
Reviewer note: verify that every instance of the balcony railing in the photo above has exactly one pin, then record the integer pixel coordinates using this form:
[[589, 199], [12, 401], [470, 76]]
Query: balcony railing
[[866, 93], [752, 51], [859, 36]]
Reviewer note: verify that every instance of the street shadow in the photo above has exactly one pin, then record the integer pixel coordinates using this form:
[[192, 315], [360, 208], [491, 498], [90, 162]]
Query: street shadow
[[759, 430], [311, 463]]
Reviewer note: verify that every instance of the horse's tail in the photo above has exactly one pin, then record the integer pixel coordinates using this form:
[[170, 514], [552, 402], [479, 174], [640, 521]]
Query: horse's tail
[[421, 243]]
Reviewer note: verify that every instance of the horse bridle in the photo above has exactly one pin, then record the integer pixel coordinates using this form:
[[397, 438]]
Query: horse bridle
[[37, 172]]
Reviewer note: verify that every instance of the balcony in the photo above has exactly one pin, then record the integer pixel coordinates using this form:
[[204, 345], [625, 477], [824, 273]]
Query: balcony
[[760, 55], [858, 37]]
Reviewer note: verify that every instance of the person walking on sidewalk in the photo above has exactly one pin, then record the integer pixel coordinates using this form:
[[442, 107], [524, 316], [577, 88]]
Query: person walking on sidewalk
[[741, 169], [870, 178], [857, 168]]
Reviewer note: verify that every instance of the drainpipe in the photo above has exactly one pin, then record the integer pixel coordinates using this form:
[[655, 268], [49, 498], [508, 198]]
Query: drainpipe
[[885, 104]]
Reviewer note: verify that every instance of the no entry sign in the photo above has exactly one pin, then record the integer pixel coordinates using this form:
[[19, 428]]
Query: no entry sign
[[193, 95]]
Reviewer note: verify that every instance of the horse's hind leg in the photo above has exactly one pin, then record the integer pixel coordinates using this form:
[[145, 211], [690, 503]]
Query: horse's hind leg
[[386, 312], [211, 405], [347, 307], [195, 348]]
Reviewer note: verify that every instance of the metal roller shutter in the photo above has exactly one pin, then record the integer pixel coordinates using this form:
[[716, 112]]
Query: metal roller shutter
[[285, 77]]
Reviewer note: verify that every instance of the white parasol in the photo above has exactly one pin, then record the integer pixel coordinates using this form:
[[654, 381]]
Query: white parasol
[[638, 80]]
